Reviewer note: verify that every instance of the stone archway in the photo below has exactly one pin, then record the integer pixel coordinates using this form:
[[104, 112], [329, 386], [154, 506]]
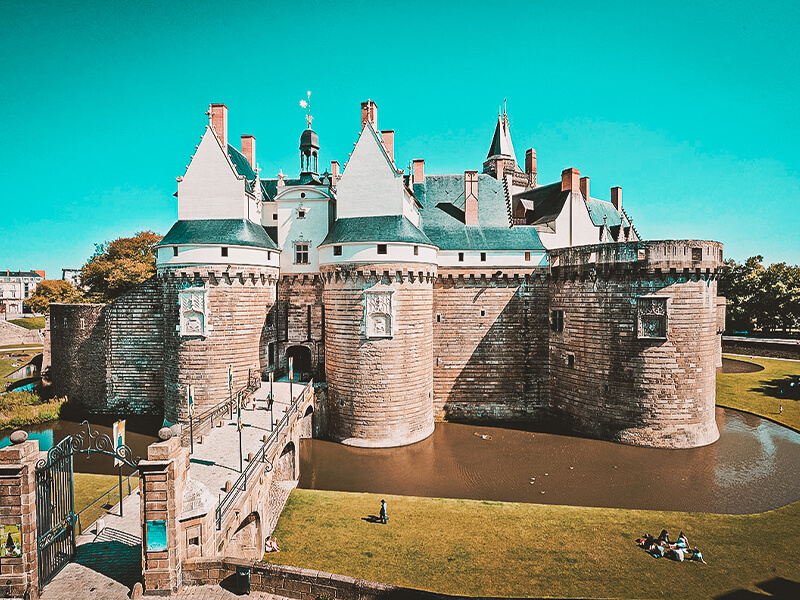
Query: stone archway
[[285, 469], [307, 424], [301, 356], [246, 541]]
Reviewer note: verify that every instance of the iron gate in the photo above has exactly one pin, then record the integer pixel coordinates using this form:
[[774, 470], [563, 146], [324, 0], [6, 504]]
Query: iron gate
[[55, 497]]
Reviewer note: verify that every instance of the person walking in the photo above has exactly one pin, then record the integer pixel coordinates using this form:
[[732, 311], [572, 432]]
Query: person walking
[[383, 514]]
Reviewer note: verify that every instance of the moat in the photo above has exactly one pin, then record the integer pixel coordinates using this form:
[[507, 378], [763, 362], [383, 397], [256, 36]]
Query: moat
[[752, 468]]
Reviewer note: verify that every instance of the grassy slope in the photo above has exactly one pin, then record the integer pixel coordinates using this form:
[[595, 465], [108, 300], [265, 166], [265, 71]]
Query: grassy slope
[[506, 549], [90, 486], [29, 323]]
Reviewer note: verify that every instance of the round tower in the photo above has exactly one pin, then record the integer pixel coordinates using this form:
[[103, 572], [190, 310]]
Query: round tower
[[378, 300]]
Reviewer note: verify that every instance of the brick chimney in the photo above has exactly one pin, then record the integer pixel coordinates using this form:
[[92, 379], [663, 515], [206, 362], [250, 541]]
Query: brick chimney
[[369, 112], [570, 180], [218, 118], [249, 149], [585, 187], [388, 142], [470, 197], [530, 166], [418, 170], [616, 197], [334, 172], [41, 273]]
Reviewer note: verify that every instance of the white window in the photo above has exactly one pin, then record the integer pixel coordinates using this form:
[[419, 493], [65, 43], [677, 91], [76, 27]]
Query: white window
[[301, 253]]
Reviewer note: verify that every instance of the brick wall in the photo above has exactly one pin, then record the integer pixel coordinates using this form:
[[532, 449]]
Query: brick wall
[[236, 334], [299, 322], [490, 336], [77, 340], [380, 390], [134, 347]]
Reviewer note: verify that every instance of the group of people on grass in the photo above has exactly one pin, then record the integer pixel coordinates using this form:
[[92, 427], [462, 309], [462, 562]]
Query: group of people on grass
[[661, 546]]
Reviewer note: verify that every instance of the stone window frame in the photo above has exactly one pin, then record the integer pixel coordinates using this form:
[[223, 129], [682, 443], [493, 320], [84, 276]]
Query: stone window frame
[[184, 327], [373, 317], [299, 252], [654, 309], [557, 320]]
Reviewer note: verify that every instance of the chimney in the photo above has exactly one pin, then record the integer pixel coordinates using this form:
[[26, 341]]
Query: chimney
[[570, 180], [585, 187], [369, 112], [249, 149], [470, 197], [334, 172], [418, 170], [616, 197], [500, 167], [218, 118], [41, 273], [530, 166], [388, 142]]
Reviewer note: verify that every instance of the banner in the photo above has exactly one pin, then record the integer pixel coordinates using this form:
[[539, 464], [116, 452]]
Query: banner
[[239, 412], [230, 377], [119, 439], [291, 368], [190, 398]]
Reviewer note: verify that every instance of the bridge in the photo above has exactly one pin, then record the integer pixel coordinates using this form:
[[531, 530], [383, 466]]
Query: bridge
[[200, 495]]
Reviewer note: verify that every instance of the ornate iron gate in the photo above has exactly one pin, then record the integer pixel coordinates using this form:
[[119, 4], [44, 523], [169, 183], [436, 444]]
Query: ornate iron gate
[[55, 497]]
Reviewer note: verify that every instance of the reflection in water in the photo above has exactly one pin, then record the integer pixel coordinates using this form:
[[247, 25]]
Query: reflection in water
[[56, 431], [753, 467]]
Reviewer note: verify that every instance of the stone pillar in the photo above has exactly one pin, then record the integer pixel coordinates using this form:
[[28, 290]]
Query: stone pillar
[[163, 479], [19, 574]]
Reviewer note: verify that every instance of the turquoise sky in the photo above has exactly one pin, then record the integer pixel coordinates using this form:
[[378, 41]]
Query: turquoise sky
[[691, 107]]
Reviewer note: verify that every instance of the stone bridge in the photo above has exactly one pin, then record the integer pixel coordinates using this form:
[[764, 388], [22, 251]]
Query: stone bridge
[[202, 498]]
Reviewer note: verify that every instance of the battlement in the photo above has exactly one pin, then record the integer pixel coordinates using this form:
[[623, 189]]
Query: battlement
[[652, 256]]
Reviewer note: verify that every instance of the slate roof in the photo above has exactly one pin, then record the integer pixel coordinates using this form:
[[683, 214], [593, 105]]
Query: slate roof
[[600, 208], [241, 163], [442, 199], [390, 228], [546, 202], [229, 232]]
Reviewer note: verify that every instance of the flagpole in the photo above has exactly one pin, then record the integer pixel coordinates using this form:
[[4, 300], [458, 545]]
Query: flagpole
[[239, 426]]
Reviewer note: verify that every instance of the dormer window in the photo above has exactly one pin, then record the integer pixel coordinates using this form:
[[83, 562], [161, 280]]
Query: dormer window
[[382, 249], [301, 213], [174, 251], [224, 251], [337, 250]]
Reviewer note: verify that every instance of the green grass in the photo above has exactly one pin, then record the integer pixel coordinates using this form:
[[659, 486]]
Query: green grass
[[90, 487], [753, 392], [18, 409], [31, 323], [506, 549], [31, 346]]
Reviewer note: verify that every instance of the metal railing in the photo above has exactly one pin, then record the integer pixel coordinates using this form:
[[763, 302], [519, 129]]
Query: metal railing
[[97, 511], [205, 422], [260, 457]]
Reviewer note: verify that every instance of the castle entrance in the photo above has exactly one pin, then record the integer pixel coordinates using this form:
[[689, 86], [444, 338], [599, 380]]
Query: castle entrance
[[55, 496], [302, 361]]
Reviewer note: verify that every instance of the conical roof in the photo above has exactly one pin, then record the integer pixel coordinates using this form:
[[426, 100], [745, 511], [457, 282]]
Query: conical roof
[[501, 142]]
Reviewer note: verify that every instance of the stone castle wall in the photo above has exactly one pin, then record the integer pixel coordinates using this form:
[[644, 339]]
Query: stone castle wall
[[78, 354], [380, 389], [490, 336], [236, 334], [134, 346], [300, 322], [610, 376]]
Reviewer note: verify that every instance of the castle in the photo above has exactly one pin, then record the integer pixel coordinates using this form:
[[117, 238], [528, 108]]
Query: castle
[[481, 295]]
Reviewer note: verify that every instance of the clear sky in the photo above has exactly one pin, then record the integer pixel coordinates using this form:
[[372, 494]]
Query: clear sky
[[691, 107]]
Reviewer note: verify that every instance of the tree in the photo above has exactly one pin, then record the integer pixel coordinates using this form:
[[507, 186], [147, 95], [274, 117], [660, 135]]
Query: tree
[[120, 265], [52, 290]]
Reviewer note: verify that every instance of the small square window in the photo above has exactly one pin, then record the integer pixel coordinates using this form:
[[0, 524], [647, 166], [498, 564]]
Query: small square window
[[570, 360], [416, 250], [527, 256], [483, 312], [174, 251], [195, 541], [438, 318], [382, 249], [697, 254], [301, 214], [460, 257], [337, 250], [483, 256], [224, 251], [275, 217]]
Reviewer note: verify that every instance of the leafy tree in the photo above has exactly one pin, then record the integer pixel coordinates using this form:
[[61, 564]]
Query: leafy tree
[[120, 265], [52, 290]]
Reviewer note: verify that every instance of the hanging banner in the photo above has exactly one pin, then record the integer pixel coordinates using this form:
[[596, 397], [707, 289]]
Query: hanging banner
[[291, 368], [190, 399], [239, 413], [230, 377], [119, 439]]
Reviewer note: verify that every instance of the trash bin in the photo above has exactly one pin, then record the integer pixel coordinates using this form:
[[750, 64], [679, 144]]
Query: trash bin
[[243, 580]]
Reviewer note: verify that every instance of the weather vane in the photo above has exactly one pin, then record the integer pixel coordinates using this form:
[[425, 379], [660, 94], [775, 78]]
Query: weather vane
[[307, 105]]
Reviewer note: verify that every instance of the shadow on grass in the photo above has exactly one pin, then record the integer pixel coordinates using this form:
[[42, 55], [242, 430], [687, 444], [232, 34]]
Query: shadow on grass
[[372, 519], [113, 555], [777, 588], [785, 388]]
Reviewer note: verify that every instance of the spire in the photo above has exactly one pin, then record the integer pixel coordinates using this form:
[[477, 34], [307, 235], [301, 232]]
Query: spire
[[501, 142], [309, 142]]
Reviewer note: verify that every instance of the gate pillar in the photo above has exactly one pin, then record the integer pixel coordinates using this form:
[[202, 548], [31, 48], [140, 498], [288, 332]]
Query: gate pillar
[[19, 572], [163, 479]]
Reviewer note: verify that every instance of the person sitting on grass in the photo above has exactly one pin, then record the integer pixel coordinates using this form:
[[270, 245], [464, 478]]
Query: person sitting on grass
[[682, 542], [646, 541], [695, 554], [271, 545]]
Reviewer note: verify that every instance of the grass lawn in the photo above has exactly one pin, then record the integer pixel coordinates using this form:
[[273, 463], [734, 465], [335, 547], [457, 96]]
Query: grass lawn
[[31, 323], [18, 409], [505, 549], [90, 486]]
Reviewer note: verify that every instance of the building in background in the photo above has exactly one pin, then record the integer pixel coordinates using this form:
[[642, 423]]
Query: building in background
[[15, 287]]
